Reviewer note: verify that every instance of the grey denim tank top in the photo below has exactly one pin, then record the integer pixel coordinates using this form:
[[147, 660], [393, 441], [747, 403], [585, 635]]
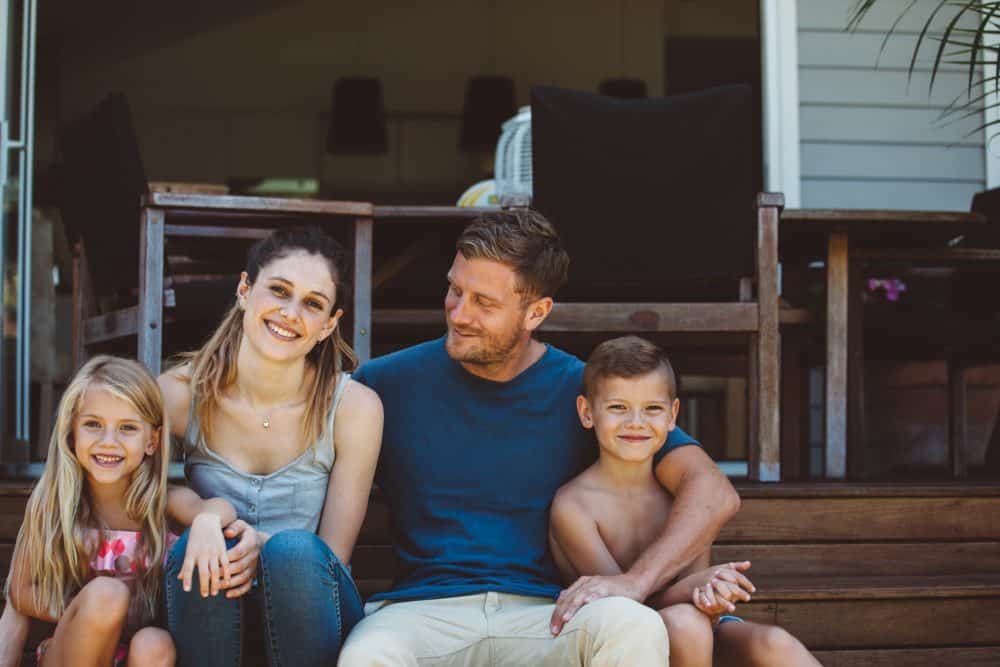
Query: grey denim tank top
[[290, 497]]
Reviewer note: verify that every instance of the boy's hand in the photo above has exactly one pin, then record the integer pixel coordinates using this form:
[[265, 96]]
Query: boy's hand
[[723, 587], [206, 550], [588, 589]]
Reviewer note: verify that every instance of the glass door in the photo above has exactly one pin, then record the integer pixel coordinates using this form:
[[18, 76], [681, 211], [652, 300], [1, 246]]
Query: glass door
[[17, 91]]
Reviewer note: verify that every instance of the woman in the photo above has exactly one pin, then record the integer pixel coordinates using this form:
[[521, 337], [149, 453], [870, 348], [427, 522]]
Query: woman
[[272, 423]]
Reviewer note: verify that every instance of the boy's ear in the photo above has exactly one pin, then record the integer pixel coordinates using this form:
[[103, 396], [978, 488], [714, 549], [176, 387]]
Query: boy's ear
[[675, 409], [583, 409], [154, 442]]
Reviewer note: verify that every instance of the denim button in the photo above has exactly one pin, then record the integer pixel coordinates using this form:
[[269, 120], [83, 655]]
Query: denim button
[[253, 508]]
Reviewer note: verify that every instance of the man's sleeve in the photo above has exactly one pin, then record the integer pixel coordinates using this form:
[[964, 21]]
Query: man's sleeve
[[677, 438]]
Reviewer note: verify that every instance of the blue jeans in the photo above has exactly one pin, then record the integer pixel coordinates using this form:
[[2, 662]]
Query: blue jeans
[[306, 597]]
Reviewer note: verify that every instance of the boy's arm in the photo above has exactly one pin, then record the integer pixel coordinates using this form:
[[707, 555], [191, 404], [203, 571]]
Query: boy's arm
[[574, 535], [704, 501]]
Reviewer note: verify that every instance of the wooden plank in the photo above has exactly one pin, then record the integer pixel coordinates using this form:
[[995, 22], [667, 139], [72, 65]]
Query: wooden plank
[[843, 218], [835, 14], [827, 588], [861, 559], [891, 623], [768, 463], [966, 656], [833, 123], [872, 490], [794, 408], [866, 193], [863, 519], [832, 85], [424, 212], [617, 315], [838, 48], [217, 231], [117, 324], [170, 200], [903, 162], [362, 315], [189, 188], [836, 356], [150, 346]]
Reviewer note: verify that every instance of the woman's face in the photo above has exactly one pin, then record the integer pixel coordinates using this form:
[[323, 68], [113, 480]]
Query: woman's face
[[289, 309]]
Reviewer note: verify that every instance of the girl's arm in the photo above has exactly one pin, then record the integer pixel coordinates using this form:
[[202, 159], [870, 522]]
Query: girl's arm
[[357, 439], [21, 589], [14, 627], [206, 545]]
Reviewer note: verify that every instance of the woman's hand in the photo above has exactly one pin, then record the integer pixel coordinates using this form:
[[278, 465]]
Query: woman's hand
[[242, 558], [206, 550]]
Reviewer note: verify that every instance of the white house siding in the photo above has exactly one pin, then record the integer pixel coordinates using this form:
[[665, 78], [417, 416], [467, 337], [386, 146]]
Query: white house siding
[[869, 137]]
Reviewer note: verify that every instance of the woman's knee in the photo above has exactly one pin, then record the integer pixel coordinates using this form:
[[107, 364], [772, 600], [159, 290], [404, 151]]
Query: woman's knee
[[153, 647], [103, 603], [687, 626], [295, 544]]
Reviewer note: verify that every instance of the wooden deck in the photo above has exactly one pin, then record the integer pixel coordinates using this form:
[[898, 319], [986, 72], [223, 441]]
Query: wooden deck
[[879, 574]]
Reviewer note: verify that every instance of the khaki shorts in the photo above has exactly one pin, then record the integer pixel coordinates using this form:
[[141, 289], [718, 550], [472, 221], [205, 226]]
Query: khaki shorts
[[501, 629]]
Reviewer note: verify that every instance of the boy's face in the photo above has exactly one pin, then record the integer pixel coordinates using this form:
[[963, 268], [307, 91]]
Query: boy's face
[[631, 417]]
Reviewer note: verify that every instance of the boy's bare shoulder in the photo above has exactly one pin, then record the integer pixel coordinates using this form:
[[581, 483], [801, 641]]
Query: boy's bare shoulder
[[579, 493]]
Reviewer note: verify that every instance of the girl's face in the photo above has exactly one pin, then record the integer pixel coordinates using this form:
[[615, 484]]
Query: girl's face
[[110, 438], [288, 310]]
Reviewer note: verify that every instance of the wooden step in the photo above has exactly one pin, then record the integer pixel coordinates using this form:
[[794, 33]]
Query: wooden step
[[983, 656]]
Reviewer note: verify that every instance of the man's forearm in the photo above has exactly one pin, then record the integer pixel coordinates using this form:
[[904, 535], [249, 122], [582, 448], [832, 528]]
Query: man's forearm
[[702, 506]]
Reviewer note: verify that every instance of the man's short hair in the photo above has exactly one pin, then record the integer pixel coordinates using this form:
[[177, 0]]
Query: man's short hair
[[626, 357], [524, 240]]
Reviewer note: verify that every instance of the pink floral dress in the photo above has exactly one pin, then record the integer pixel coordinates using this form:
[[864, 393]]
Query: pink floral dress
[[117, 556]]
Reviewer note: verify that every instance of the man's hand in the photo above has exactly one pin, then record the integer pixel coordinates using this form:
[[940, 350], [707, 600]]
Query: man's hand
[[588, 589], [242, 557]]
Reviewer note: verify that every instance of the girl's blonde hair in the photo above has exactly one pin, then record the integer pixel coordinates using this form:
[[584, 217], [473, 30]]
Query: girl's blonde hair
[[212, 369], [55, 541]]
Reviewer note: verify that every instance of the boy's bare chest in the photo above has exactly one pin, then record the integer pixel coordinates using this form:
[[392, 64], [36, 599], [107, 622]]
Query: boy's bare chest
[[629, 525]]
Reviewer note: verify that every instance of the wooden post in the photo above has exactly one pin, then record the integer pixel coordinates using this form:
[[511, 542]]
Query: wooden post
[[151, 233], [836, 356], [363, 239], [856, 440], [768, 463], [957, 414]]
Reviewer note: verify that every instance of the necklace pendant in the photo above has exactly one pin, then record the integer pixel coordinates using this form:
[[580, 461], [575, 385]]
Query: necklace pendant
[[267, 423]]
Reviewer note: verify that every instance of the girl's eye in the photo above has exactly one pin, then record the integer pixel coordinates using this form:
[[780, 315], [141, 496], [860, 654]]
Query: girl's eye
[[91, 423], [129, 428]]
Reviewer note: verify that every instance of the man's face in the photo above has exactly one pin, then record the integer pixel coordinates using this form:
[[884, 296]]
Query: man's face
[[485, 312]]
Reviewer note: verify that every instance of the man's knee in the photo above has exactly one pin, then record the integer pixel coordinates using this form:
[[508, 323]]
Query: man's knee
[[375, 648], [621, 615]]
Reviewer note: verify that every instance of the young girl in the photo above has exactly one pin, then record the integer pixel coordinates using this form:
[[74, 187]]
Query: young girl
[[90, 551]]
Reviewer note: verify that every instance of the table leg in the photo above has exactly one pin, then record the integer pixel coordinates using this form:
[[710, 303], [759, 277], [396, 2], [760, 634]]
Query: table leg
[[151, 235], [836, 355], [361, 341]]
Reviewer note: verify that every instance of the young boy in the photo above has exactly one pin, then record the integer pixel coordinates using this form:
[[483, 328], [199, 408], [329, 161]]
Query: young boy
[[604, 518]]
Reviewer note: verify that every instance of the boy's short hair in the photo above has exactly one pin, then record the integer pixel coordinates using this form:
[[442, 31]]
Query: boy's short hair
[[524, 240], [626, 357]]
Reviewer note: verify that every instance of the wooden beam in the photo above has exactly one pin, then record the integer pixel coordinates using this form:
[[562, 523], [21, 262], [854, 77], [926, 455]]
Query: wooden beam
[[958, 388], [362, 316], [217, 231], [856, 438], [117, 324], [768, 462], [170, 200], [836, 356], [150, 318]]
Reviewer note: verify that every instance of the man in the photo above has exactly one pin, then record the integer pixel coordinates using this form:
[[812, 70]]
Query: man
[[480, 431]]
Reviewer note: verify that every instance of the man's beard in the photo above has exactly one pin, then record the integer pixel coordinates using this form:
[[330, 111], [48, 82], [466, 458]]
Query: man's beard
[[484, 349]]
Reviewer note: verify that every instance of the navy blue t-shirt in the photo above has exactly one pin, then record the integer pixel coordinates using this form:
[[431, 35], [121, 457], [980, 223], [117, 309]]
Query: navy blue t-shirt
[[470, 466]]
